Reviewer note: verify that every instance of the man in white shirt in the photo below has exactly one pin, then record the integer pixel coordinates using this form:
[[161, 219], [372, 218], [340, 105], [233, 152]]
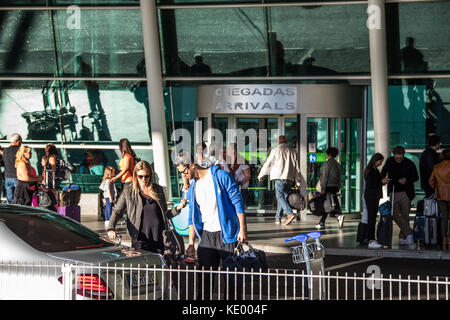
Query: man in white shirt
[[216, 213], [282, 166]]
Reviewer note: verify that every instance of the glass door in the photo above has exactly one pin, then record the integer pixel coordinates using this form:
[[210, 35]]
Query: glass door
[[261, 193], [344, 134], [350, 152]]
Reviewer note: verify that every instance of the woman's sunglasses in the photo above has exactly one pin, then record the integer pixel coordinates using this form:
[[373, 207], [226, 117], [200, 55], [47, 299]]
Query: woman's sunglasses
[[144, 177]]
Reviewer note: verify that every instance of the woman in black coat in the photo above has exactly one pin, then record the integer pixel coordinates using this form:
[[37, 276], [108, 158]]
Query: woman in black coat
[[372, 195]]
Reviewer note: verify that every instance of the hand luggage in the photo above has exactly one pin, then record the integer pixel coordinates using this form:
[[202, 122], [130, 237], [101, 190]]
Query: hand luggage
[[384, 228], [70, 195], [430, 206], [419, 229], [46, 199], [384, 231], [296, 200], [250, 259], [431, 230], [363, 227], [72, 212]]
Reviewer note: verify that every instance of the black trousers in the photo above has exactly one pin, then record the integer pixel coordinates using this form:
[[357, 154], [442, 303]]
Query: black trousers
[[372, 211], [210, 252]]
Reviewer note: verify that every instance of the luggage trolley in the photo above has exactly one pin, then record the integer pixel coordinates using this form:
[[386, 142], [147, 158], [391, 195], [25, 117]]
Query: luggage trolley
[[312, 255]]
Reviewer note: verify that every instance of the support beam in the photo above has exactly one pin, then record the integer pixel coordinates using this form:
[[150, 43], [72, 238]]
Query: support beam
[[379, 80], [155, 93]]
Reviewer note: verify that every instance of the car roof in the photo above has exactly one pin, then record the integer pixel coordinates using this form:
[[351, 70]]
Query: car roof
[[15, 208]]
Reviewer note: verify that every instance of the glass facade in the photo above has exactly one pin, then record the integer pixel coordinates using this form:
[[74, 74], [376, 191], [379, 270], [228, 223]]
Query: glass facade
[[60, 43], [316, 39], [419, 42], [273, 41]]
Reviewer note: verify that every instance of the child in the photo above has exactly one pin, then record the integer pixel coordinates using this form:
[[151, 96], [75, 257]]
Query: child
[[109, 192]]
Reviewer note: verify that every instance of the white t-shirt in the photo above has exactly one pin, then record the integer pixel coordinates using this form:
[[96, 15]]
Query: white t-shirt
[[239, 174], [205, 195]]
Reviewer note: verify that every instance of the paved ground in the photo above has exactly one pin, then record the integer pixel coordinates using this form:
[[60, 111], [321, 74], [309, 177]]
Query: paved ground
[[264, 234]]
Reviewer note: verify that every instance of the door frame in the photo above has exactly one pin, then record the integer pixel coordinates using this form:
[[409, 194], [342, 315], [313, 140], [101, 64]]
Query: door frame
[[362, 141]]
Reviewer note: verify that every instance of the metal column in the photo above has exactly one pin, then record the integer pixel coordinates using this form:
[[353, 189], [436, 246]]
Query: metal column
[[379, 80], [155, 93]]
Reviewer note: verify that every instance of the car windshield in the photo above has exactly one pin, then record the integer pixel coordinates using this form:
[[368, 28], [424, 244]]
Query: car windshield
[[52, 232]]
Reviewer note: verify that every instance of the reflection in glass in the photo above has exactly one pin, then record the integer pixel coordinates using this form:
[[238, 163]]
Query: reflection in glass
[[26, 43], [58, 111], [110, 48], [318, 40], [218, 41], [418, 41]]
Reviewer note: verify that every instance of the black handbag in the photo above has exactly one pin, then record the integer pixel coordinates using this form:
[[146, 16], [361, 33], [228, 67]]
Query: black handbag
[[250, 259], [173, 247], [296, 200], [46, 199]]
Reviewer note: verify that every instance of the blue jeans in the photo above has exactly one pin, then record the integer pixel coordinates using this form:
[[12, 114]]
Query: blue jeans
[[282, 188], [108, 209], [10, 186]]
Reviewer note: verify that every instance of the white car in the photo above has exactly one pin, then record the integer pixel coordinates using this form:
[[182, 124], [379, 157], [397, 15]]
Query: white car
[[40, 249]]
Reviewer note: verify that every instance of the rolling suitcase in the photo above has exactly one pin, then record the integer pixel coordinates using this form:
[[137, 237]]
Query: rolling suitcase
[[431, 232], [363, 228], [72, 212], [430, 206], [419, 229], [384, 231], [384, 228]]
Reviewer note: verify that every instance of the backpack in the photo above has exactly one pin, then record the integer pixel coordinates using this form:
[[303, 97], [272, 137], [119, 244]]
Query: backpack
[[70, 195], [63, 169], [296, 200]]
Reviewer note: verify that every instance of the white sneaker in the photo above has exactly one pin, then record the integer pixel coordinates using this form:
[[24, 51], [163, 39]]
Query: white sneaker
[[320, 226], [374, 245], [340, 220], [106, 223]]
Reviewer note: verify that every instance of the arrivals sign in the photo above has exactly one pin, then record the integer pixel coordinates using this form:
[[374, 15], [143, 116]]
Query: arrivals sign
[[255, 99]]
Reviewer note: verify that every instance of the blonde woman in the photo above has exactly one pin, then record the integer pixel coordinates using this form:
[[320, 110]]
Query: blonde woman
[[26, 176], [146, 208]]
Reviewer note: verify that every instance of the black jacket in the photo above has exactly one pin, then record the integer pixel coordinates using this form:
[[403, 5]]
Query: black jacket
[[374, 186], [428, 159], [395, 171]]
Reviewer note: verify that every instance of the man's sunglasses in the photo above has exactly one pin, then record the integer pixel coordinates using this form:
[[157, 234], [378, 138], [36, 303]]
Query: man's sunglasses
[[185, 170]]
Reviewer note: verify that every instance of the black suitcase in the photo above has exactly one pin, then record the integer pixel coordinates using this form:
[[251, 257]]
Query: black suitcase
[[363, 233], [384, 231], [432, 230], [419, 229]]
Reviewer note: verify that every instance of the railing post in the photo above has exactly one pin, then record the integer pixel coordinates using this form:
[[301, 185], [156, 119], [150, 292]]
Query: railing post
[[68, 282]]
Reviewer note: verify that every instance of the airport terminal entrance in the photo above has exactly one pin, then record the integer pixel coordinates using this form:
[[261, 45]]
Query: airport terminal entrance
[[324, 116]]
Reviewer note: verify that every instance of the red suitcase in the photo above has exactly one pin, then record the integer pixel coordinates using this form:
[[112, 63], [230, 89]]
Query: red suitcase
[[72, 212]]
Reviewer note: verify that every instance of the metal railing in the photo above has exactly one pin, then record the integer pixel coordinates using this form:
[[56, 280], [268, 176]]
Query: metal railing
[[118, 282]]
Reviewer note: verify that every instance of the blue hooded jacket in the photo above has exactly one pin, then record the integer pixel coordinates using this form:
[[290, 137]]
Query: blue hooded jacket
[[229, 204]]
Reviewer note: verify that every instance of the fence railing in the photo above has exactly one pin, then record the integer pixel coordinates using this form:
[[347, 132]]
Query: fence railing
[[117, 282]]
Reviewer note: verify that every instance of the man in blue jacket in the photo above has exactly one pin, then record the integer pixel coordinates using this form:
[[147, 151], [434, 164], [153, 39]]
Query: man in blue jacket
[[216, 212]]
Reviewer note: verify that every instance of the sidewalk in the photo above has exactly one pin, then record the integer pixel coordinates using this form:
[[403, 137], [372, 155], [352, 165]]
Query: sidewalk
[[264, 234]]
